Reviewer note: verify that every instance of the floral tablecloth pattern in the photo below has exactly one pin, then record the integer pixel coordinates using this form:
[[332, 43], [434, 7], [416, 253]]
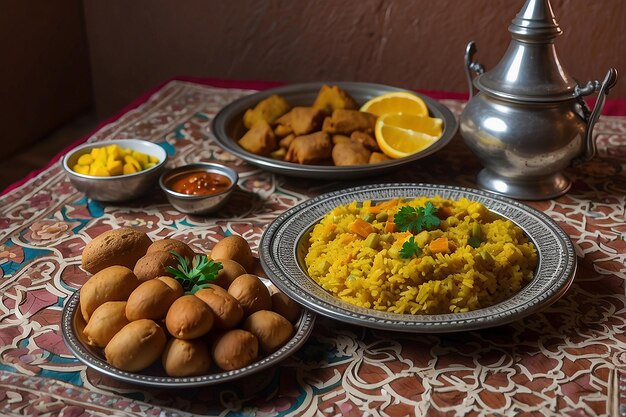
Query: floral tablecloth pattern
[[569, 359]]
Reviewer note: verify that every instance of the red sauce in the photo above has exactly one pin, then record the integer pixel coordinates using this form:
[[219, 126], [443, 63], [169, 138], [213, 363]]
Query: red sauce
[[201, 183]]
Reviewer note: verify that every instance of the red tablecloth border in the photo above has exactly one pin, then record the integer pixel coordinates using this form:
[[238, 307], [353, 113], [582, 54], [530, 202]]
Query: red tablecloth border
[[612, 107]]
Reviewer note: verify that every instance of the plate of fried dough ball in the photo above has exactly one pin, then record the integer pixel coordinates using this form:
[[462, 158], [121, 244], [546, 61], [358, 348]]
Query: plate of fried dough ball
[[315, 130], [158, 313]]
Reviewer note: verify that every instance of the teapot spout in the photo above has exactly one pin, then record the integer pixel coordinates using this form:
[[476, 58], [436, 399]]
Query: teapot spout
[[590, 144]]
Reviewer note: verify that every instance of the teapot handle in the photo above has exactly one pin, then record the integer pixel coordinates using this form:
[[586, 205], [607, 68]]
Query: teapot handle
[[609, 82], [471, 65]]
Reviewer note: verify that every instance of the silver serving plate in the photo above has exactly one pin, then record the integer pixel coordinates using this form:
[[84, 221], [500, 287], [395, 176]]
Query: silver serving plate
[[72, 325], [228, 128], [284, 245]]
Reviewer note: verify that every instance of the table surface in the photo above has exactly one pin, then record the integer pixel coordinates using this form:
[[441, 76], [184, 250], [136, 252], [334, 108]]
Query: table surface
[[569, 359]]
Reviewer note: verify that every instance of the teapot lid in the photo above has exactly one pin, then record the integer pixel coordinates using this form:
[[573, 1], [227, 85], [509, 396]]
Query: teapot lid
[[530, 69]]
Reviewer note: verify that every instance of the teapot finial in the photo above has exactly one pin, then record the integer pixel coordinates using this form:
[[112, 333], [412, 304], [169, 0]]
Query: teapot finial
[[535, 22]]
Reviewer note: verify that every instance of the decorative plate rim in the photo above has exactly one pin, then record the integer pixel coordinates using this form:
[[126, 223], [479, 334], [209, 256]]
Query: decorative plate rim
[[554, 273], [227, 113], [303, 329]]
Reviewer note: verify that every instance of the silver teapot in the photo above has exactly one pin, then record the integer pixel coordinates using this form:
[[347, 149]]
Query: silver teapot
[[528, 120]]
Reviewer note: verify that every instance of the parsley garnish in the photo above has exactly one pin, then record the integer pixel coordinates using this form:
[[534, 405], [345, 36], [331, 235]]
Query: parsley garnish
[[416, 219], [194, 275], [410, 249], [474, 242]]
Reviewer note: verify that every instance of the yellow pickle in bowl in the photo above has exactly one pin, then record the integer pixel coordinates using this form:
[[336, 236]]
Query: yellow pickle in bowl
[[113, 160]]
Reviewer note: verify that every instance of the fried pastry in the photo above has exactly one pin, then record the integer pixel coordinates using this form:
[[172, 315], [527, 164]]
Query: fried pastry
[[309, 149], [377, 157], [259, 140], [365, 139], [281, 131], [286, 141], [347, 121], [268, 110], [302, 120], [340, 138], [350, 153], [331, 98]]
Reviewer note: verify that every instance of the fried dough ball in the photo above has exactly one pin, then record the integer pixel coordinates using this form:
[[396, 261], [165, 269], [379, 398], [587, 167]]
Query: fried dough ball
[[286, 307], [251, 293], [227, 311], [136, 346], [154, 264], [150, 300], [173, 245], [230, 270], [186, 358], [114, 283], [236, 248], [189, 317], [235, 349], [174, 285], [270, 328], [105, 322]]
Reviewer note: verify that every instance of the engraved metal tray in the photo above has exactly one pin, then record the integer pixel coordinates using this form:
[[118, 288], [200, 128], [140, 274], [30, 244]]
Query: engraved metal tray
[[228, 128], [72, 325], [284, 245]]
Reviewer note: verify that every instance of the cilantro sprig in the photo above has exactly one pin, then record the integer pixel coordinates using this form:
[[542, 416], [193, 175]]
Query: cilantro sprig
[[410, 249], [416, 219], [194, 274]]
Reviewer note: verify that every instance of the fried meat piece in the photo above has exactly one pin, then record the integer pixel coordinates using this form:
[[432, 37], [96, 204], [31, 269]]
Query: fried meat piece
[[267, 110], [377, 157], [302, 120], [365, 139], [347, 121], [330, 98], [350, 153], [310, 149], [259, 140]]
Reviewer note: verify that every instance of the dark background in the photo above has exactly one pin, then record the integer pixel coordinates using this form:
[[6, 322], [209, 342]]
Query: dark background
[[66, 58]]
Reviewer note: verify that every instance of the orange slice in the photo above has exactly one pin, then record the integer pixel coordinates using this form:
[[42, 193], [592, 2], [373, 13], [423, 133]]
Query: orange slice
[[399, 134], [397, 102]]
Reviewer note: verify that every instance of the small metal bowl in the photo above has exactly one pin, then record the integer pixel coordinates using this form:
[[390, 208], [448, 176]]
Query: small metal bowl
[[198, 204], [120, 187]]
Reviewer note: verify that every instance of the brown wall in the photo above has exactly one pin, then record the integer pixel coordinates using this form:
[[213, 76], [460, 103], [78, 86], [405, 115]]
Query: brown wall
[[414, 44], [44, 71]]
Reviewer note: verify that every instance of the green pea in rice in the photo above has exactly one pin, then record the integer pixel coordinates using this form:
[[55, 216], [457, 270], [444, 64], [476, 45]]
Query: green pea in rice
[[370, 272]]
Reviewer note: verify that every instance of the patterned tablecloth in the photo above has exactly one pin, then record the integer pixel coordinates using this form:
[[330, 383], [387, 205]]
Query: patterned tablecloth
[[566, 360]]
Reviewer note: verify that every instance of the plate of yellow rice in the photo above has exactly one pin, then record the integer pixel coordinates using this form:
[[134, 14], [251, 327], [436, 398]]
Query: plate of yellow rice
[[418, 257]]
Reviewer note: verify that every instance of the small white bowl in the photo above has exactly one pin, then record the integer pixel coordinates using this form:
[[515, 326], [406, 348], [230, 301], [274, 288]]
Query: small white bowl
[[120, 187]]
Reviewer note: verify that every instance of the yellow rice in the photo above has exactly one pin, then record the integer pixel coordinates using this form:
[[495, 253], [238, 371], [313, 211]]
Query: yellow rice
[[460, 280]]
